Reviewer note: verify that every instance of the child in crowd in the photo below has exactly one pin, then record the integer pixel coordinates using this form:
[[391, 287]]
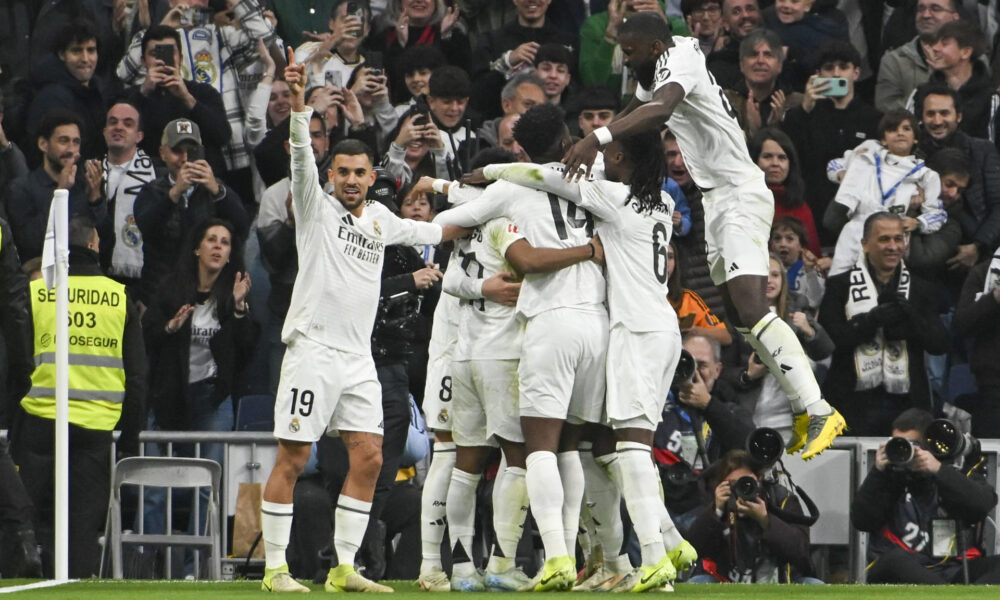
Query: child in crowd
[[804, 270], [883, 176]]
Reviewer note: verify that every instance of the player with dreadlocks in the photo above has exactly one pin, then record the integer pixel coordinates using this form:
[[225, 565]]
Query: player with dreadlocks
[[633, 218]]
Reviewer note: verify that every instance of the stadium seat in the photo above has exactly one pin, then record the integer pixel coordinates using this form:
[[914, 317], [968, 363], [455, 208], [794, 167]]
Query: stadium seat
[[164, 472], [963, 390], [255, 413]]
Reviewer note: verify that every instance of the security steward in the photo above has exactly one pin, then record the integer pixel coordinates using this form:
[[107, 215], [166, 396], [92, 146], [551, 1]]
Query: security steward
[[16, 511], [107, 378]]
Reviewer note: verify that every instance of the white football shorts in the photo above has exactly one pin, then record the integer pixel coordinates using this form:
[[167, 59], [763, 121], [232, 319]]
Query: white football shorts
[[486, 402], [737, 229], [325, 390], [640, 368], [561, 372]]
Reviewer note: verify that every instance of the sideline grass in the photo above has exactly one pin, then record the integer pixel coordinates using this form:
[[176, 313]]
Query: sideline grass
[[242, 590]]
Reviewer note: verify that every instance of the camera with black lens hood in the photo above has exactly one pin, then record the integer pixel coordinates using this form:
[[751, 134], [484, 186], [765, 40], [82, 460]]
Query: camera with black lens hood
[[899, 452], [395, 326], [684, 373], [946, 442]]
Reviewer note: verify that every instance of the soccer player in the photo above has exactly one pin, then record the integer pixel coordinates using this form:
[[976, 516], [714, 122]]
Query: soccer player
[[644, 342], [561, 369], [675, 85], [328, 380]]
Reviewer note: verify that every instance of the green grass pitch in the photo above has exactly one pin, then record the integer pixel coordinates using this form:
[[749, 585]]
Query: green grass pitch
[[242, 590]]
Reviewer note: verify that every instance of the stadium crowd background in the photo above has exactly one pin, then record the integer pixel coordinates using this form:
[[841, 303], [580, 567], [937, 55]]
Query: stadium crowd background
[[849, 107]]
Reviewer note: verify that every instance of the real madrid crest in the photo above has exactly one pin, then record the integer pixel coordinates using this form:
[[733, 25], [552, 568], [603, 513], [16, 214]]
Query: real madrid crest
[[130, 233], [377, 227], [204, 68], [443, 416], [294, 425]]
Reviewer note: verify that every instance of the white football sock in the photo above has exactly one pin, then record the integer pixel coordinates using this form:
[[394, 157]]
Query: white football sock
[[779, 349], [585, 535], [606, 511], [433, 500], [350, 523], [641, 497], [510, 507], [571, 475], [276, 526], [462, 516], [545, 494]]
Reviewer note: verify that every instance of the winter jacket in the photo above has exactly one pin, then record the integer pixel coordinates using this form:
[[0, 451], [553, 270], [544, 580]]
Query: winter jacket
[[977, 319], [899, 73], [803, 39], [977, 101], [16, 325], [57, 88]]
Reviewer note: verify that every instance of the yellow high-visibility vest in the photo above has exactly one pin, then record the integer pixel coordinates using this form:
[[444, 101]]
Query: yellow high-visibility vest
[[96, 369]]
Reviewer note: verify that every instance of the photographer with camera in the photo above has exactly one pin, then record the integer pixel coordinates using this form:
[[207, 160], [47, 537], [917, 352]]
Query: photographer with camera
[[922, 502], [743, 533], [682, 444]]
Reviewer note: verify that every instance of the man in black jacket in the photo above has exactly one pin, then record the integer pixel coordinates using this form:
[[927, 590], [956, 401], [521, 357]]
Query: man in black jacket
[[941, 115], [739, 18], [66, 79], [824, 126], [906, 507], [16, 508], [169, 206], [881, 320], [31, 195], [165, 95]]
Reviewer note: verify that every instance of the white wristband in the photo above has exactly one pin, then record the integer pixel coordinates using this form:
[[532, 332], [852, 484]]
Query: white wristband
[[603, 135], [438, 186]]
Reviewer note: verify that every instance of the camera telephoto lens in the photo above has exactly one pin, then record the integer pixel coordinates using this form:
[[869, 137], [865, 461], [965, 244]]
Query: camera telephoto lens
[[899, 451], [746, 488], [685, 369]]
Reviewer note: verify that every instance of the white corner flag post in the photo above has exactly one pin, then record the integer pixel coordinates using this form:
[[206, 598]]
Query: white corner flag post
[[55, 271]]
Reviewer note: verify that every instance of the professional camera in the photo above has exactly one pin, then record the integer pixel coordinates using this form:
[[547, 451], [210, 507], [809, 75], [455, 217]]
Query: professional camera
[[383, 190], [947, 443], [684, 371], [746, 488], [899, 451], [395, 326], [764, 446]]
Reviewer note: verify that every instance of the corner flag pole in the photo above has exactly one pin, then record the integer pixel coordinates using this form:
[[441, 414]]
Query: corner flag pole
[[57, 235]]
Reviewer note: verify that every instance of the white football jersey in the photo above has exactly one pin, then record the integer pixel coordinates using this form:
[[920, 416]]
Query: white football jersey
[[336, 291], [546, 221], [708, 134], [487, 330], [635, 243]]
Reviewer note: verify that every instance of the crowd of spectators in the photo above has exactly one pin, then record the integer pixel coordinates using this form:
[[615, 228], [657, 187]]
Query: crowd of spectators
[[875, 124]]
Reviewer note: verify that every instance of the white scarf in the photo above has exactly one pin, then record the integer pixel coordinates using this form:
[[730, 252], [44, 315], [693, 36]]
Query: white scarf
[[126, 258], [877, 362], [992, 275]]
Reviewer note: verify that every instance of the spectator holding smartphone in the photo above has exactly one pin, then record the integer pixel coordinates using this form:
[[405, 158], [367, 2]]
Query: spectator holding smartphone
[[338, 49], [164, 95], [416, 150]]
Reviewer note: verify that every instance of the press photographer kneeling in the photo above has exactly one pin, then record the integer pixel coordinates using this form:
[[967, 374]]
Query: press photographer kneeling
[[754, 529], [923, 504]]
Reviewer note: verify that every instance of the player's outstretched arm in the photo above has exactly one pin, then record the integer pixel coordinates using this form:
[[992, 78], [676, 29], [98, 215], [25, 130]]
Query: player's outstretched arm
[[552, 182], [528, 259], [651, 115], [304, 178]]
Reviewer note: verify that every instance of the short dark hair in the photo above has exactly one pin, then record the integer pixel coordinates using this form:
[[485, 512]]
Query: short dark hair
[[554, 53], [449, 82], [491, 156], [882, 215], [647, 25], [540, 129], [56, 118], [950, 161], [729, 462], [837, 50], [894, 118], [965, 33], [792, 224], [913, 419], [416, 58], [596, 97], [158, 33], [936, 88], [352, 147], [81, 230], [75, 32], [749, 44]]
